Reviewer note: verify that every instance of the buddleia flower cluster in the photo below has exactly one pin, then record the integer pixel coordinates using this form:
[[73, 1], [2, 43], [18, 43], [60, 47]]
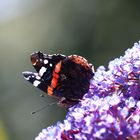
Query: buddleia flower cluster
[[111, 108]]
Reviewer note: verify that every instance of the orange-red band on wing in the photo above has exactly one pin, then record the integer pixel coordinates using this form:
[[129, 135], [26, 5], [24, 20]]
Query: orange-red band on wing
[[58, 67], [50, 90], [54, 80]]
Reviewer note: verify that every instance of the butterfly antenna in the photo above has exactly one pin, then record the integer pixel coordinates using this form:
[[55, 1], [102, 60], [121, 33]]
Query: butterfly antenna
[[44, 107]]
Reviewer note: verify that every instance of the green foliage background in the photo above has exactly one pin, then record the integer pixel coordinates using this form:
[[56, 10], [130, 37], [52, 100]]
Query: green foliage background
[[99, 30]]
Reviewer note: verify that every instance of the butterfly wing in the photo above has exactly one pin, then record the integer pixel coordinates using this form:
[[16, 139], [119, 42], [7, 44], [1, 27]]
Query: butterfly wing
[[44, 65], [36, 80]]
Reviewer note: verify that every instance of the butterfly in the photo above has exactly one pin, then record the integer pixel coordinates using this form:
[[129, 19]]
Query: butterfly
[[66, 78]]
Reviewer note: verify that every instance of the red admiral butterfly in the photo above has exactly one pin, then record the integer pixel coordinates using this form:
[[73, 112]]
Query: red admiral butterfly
[[65, 77]]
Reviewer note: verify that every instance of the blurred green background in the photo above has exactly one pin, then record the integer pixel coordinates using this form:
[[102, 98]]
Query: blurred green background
[[99, 30]]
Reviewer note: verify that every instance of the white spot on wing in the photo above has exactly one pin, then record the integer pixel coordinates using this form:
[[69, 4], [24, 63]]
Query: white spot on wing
[[36, 83], [50, 64], [27, 78], [45, 61], [38, 77], [42, 70]]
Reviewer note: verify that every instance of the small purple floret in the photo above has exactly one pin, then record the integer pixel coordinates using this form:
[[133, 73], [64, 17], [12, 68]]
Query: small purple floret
[[111, 108]]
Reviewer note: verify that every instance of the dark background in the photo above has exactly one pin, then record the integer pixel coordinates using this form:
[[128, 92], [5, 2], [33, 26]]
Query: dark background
[[99, 30]]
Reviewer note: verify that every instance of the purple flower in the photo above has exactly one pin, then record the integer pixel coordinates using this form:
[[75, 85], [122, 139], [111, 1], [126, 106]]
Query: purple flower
[[111, 108]]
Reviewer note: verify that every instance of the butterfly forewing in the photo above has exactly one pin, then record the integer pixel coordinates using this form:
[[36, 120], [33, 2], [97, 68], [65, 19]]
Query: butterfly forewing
[[36, 80], [45, 64]]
